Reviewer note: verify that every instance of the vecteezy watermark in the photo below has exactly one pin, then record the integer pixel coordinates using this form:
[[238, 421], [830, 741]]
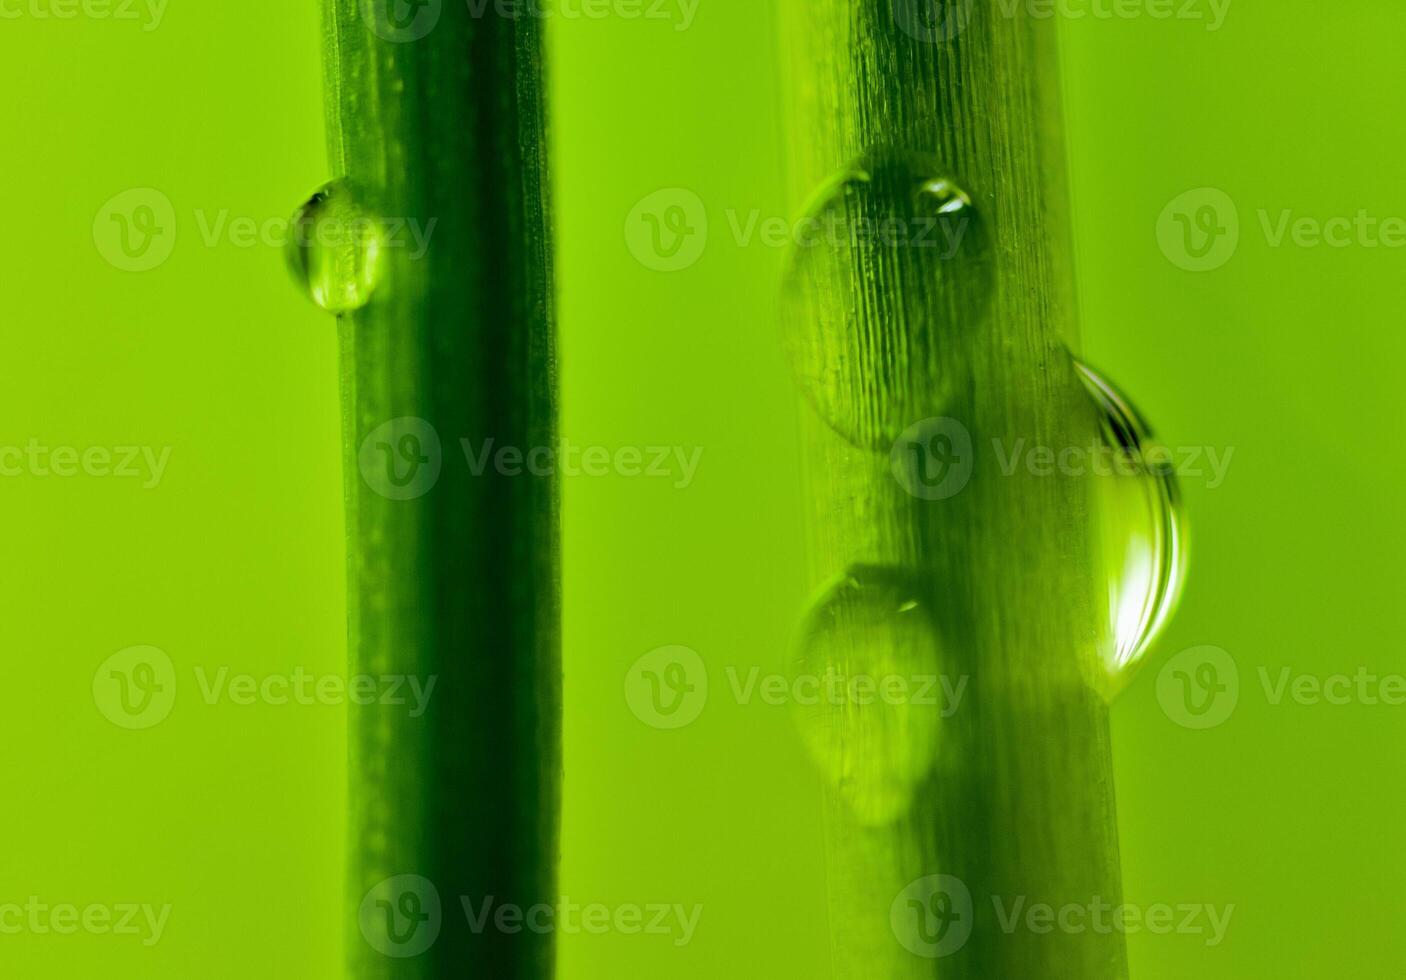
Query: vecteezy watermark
[[942, 21], [1200, 687], [668, 230], [140, 920], [135, 688], [935, 459], [1098, 458], [675, 463], [935, 916], [1361, 687], [331, 232], [1200, 230], [1211, 13], [402, 459], [302, 687], [1104, 918], [835, 689], [136, 231], [35, 459], [932, 916], [402, 916], [668, 688], [595, 918], [403, 21], [939, 234], [147, 13]]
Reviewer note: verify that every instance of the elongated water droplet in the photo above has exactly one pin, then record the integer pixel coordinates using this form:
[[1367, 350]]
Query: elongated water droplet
[[889, 274], [335, 247], [865, 682], [1142, 527]]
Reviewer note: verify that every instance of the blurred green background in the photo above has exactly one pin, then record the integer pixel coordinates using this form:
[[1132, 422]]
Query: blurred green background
[[231, 557]]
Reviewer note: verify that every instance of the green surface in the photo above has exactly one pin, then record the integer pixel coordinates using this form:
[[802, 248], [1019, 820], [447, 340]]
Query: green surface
[[453, 565], [233, 814]]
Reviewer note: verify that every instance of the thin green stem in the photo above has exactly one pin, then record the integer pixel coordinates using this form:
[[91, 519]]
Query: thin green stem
[[442, 123]]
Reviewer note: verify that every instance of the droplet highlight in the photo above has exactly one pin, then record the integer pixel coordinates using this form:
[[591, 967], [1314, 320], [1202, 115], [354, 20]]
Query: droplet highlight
[[889, 273], [1142, 528], [335, 247], [866, 691]]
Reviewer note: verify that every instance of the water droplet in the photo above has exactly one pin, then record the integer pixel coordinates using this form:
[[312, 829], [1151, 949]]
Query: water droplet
[[1142, 527], [890, 271], [866, 691], [335, 246]]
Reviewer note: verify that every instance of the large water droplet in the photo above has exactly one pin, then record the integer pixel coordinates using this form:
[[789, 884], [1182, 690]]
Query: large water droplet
[[890, 272], [335, 246], [1142, 527], [867, 693]]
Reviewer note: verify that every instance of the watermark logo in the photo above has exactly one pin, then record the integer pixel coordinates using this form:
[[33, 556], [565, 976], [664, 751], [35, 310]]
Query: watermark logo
[[1199, 688], [667, 231], [933, 459], [837, 689], [401, 459], [135, 688], [1104, 918], [401, 916], [135, 231], [401, 21], [36, 917], [1211, 13], [676, 463], [937, 235], [941, 21], [1098, 458], [304, 688], [149, 12], [35, 459], [1199, 230], [932, 917], [1363, 687], [667, 688], [932, 21], [568, 918]]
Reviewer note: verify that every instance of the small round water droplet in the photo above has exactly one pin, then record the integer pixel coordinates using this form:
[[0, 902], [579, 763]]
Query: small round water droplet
[[890, 273], [866, 691], [1142, 527], [335, 246]]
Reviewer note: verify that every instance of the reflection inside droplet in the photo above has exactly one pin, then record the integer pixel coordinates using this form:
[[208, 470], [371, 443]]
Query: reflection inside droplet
[[867, 695], [890, 270], [1141, 524], [335, 247]]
